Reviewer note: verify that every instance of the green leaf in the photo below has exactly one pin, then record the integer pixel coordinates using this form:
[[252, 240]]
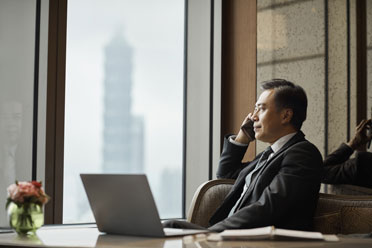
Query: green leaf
[[8, 201]]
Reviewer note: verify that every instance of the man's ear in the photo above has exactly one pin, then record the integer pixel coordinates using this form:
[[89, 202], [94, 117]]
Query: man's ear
[[287, 115]]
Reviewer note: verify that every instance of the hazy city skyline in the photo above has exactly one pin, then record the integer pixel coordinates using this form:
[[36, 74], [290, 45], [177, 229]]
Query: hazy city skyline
[[156, 37]]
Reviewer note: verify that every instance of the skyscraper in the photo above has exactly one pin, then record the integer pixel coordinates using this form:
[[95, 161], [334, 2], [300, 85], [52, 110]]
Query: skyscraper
[[123, 142]]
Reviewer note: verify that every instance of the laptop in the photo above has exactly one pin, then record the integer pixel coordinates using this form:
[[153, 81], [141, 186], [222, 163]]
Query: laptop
[[123, 204]]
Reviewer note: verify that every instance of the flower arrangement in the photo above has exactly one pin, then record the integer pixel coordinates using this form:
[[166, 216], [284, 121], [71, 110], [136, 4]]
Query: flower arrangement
[[26, 192], [24, 204]]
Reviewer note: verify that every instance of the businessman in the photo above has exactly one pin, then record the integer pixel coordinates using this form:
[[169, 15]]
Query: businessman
[[280, 186], [339, 168]]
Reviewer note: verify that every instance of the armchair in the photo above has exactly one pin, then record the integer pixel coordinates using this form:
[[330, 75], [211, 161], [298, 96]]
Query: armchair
[[343, 214]]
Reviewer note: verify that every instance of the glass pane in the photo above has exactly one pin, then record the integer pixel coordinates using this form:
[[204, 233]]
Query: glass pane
[[17, 50], [124, 98]]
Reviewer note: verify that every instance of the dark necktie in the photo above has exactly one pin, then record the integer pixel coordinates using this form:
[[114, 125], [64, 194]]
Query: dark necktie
[[263, 159], [248, 179]]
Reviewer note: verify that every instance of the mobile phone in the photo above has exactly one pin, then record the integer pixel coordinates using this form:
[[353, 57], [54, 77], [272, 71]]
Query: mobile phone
[[247, 129]]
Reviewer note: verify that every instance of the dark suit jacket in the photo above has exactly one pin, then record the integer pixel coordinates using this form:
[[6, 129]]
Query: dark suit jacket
[[339, 169], [283, 194]]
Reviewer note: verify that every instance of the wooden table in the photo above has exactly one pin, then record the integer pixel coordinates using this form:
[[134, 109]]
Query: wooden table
[[89, 236]]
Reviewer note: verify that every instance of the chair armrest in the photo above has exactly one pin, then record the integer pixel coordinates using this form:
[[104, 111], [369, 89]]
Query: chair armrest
[[207, 198]]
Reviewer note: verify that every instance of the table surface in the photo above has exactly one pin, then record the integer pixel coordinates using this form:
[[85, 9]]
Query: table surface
[[89, 236]]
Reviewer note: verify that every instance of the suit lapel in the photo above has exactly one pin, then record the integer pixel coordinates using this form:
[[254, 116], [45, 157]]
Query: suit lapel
[[297, 138]]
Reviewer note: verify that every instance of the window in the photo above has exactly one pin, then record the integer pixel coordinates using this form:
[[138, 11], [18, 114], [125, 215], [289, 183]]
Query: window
[[18, 67], [124, 98]]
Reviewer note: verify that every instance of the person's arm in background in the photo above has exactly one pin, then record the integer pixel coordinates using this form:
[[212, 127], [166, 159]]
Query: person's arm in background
[[362, 136], [338, 168]]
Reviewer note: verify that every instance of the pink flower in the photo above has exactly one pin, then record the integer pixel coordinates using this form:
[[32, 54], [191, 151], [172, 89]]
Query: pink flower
[[21, 192], [27, 189], [14, 194], [36, 184]]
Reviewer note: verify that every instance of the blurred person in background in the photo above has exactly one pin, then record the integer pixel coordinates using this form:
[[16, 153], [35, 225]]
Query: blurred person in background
[[339, 168]]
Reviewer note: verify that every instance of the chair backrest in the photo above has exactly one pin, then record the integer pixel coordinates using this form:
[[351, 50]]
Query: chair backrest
[[207, 198], [343, 214]]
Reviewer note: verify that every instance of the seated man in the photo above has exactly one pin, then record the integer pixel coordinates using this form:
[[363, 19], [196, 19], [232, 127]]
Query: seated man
[[340, 169], [280, 186]]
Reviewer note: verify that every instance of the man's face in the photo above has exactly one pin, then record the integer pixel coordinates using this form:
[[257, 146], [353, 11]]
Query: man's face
[[267, 119]]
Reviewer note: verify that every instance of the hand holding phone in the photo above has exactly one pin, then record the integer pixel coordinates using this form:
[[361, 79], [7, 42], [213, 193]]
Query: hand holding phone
[[362, 136], [247, 128]]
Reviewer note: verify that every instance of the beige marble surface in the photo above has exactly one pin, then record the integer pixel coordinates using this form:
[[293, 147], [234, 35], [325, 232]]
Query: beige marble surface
[[310, 75], [290, 45], [337, 74], [291, 31]]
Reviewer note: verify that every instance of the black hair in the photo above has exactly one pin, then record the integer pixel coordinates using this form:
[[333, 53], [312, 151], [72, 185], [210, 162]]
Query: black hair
[[289, 95]]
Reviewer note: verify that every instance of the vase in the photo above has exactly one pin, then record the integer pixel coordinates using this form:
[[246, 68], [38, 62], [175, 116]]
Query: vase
[[25, 218]]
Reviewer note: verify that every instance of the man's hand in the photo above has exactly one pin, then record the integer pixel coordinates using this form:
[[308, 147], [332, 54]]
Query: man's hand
[[246, 133], [362, 136]]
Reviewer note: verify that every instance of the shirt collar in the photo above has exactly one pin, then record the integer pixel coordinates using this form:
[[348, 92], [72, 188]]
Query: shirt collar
[[281, 142]]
